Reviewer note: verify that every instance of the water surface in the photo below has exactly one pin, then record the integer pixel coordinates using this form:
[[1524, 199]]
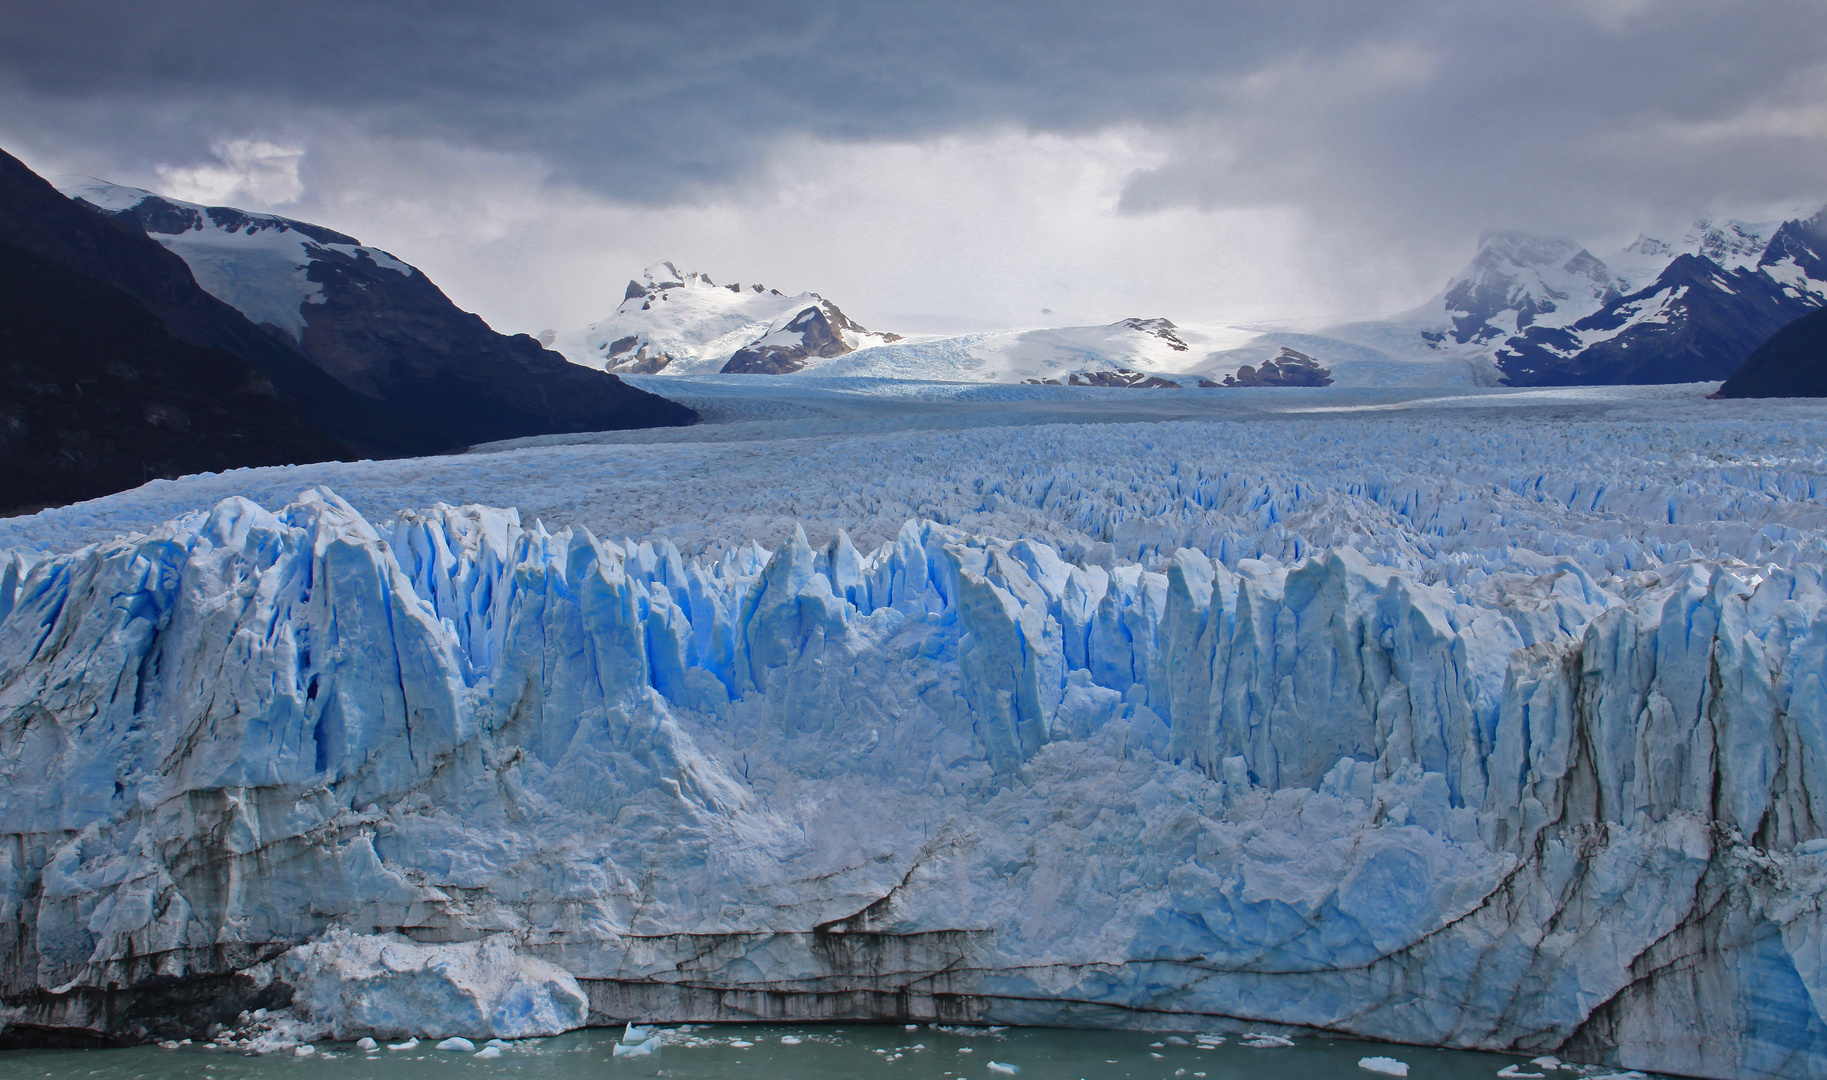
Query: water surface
[[784, 1052]]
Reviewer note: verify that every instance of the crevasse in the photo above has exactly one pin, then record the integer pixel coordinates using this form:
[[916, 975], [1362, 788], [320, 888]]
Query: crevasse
[[955, 777]]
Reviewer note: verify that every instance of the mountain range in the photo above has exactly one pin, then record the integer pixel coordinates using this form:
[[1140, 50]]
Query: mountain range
[[1540, 311], [1526, 311]]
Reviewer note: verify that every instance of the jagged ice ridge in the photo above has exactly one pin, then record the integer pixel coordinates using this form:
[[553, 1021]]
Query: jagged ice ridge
[[1544, 801]]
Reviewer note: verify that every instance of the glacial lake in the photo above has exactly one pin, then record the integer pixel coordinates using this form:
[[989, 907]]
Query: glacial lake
[[786, 1052]]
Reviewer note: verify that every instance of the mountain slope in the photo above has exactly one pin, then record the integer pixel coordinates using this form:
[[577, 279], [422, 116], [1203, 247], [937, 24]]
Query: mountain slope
[[38, 220], [381, 328], [1697, 322], [1793, 363], [97, 396]]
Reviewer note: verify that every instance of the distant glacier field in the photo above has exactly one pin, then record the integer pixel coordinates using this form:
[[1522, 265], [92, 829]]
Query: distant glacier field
[[1479, 719]]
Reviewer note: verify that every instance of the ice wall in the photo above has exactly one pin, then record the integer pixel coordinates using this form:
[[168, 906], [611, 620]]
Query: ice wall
[[953, 777]]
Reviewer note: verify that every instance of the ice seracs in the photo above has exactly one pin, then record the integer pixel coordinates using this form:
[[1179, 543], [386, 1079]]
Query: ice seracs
[[453, 759]]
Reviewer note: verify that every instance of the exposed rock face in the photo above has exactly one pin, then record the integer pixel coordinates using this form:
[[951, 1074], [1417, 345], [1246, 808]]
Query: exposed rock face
[[97, 396], [1160, 328], [383, 329], [956, 777], [1122, 378], [1793, 363], [1291, 368], [818, 331]]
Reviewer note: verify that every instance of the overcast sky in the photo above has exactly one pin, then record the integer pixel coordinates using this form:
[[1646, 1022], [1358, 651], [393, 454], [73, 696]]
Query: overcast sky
[[938, 165]]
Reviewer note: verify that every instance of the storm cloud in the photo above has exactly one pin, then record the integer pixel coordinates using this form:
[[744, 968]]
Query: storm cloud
[[1386, 135]]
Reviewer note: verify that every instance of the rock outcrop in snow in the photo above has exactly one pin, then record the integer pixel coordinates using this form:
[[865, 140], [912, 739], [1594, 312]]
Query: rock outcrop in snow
[[682, 323], [955, 777]]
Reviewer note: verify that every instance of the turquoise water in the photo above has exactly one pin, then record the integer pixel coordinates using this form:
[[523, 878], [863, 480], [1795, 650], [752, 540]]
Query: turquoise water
[[783, 1052]]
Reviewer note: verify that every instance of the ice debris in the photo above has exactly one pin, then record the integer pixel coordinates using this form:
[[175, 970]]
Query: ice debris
[[386, 984], [1388, 1066], [641, 1049]]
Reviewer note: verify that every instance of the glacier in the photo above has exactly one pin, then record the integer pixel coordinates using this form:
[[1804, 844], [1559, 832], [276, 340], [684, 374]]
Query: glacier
[[1371, 757]]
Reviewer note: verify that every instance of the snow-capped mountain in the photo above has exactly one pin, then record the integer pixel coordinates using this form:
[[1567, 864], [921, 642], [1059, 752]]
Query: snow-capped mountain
[[378, 326], [1531, 310], [677, 322], [682, 323]]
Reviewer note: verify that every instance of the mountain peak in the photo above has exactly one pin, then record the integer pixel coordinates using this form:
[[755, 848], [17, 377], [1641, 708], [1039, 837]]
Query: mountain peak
[[1523, 249]]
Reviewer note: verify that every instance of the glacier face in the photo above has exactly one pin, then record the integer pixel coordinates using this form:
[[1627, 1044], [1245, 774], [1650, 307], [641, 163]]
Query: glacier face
[[1537, 803]]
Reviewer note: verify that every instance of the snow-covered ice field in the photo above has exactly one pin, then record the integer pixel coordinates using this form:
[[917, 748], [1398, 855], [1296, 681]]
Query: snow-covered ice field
[[1486, 719], [1616, 477]]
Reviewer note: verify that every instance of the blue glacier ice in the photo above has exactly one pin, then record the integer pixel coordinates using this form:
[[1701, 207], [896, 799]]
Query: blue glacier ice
[[458, 768]]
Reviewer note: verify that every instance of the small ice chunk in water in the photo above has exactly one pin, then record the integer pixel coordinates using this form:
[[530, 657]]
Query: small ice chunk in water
[[1259, 1041], [304, 1051], [633, 1034], [641, 1049], [1388, 1066], [997, 1066], [457, 1042], [790, 1040], [1515, 1072], [407, 1045], [366, 1043], [488, 1053]]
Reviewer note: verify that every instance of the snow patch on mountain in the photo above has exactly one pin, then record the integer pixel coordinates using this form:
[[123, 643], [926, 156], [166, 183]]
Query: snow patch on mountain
[[258, 264], [1153, 345]]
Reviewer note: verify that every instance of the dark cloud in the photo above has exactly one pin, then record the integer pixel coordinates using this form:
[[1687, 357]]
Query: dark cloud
[[639, 98], [1398, 122]]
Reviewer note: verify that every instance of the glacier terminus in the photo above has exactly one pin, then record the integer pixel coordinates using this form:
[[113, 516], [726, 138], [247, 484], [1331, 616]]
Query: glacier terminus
[[446, 771]]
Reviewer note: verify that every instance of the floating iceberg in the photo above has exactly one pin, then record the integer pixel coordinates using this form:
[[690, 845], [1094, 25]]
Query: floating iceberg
[[453, 766]]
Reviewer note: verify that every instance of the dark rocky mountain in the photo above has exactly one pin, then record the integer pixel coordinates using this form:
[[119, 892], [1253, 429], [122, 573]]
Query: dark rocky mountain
[[1793, 363], [36, 219], [97, 395], [382, 329], [1697, 322]]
